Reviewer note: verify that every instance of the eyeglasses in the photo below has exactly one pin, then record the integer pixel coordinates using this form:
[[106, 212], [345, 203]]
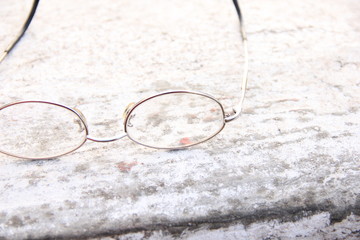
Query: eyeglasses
[[168, 120]]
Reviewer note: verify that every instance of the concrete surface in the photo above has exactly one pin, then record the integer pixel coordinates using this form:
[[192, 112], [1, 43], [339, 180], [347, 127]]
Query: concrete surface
[[288, 168]]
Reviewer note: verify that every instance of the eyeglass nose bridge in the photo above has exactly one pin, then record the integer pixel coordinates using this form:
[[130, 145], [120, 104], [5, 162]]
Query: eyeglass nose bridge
[[88, 137]]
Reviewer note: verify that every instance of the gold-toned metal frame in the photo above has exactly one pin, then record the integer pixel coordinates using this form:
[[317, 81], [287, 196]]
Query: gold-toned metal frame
[[226, 117], [78, 114], [127, 115], [129, 111]]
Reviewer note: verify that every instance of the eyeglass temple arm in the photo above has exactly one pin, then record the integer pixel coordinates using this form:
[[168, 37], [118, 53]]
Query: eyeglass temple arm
[[22, 31], [237, 109]]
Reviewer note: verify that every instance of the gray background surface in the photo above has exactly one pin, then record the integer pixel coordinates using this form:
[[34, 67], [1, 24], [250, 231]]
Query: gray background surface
[[289, 167]]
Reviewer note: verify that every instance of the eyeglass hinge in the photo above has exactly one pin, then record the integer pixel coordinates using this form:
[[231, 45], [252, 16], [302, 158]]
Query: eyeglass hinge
[[233, 116]]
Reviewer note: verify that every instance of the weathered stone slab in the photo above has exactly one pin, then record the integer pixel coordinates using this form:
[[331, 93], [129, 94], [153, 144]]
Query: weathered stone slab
[[289, 165]]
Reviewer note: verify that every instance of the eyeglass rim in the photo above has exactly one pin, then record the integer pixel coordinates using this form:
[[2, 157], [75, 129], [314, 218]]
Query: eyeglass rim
[[128, 114], [227, 118], [79, 115]]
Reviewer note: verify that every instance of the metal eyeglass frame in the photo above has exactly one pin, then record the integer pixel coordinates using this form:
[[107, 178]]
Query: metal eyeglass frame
[[127, 113]]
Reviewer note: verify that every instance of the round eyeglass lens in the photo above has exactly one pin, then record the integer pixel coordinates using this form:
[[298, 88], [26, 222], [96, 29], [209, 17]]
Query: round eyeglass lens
[[175, 120], [40, 130]]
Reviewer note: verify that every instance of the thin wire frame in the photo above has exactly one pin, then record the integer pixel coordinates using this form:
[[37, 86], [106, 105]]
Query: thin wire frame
[[128, 114], [226, 117], [79, 115]]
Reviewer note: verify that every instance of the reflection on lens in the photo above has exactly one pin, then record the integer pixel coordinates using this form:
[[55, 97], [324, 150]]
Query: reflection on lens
[[40, 130], [175, 120]]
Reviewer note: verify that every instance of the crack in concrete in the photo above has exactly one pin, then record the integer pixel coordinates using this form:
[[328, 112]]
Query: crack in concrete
[[176, 229]]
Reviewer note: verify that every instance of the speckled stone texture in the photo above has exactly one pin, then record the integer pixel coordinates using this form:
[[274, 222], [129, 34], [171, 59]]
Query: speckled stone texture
[[289, 167]]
